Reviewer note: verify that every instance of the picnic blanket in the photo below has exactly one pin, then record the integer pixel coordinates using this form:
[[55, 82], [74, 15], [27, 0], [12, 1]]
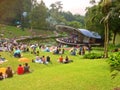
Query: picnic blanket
[[3, 70], [24, 60], [3, 61]]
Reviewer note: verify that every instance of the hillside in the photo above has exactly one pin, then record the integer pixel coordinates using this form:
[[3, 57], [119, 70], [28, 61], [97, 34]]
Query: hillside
[[12, 31]]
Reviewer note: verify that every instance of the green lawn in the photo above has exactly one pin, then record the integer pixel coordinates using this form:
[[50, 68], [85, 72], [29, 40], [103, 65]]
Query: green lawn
[[12, 31], [82, 74]]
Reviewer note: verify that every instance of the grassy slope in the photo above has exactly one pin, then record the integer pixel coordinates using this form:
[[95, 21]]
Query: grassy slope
[[11, 32], [82, 74]]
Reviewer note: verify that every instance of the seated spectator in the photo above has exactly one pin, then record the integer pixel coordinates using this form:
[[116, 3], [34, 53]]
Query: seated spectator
[[9, 72], [48, 59], [26, 68], [37, 60], [17, 53], [1, 76], [44, 60], [2, 58], [67, 60], [62, 51], [56, 51], [73, 52], [20, 70], [47, 49], [60, 59]]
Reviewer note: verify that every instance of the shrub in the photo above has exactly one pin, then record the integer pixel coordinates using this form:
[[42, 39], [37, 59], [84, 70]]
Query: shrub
[[114, 61], [93, 56]]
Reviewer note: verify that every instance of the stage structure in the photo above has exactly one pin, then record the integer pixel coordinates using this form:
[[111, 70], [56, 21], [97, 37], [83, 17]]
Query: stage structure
[[78, 36]]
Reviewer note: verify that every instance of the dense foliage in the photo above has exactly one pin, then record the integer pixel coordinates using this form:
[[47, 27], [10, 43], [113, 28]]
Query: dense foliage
[[93, 56], [30, 13], [114, 61], [96, 16]]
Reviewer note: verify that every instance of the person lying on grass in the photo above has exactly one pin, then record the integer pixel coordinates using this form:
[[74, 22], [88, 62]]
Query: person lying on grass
[[2, 59]]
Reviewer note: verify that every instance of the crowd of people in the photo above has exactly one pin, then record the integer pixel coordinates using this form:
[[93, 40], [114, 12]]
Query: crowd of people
[[17, 50], [42, 60], [21, 69]]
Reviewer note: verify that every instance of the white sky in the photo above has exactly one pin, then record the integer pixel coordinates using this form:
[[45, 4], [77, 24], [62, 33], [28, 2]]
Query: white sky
[[74, 6]]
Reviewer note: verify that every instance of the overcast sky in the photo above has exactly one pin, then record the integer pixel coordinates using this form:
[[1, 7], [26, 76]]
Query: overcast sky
[[74, 6]]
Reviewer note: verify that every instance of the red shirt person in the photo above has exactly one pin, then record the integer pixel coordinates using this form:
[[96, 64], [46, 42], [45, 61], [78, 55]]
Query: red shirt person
[[61, 59], [20, 70]]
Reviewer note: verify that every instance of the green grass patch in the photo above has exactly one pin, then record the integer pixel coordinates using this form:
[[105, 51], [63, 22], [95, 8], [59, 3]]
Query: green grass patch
[[81, 74], [12, 31]]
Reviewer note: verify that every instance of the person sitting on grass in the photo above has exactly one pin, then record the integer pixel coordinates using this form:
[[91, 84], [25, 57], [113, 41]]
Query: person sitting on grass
[[9, 72], [20, 70], [26, 68], [48, 59], [1, 76], [73, 52], [44, 60], [47, 49], [17, 53], [2, 58], [60, 59], [37, 60], [67, 60], [56, 51]]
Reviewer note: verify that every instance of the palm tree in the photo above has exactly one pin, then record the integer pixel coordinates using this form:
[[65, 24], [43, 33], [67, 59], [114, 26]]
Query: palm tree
[[105, 7], [110, 8]]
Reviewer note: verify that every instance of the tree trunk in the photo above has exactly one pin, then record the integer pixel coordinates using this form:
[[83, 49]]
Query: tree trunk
[[114, 37], [106, 39]]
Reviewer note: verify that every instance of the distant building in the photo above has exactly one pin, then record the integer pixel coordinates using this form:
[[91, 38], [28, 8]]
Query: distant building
[[78, 36]]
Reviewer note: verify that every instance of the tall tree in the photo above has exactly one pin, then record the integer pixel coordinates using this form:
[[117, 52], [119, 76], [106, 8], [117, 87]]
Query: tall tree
[[107, 10], [115, 19], [55, 11], [92, 20], [9, 10], [38, 15]]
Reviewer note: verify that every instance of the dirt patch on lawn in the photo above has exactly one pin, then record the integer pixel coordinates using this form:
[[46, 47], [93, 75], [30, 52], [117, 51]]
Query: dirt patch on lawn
[[117, 88]]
